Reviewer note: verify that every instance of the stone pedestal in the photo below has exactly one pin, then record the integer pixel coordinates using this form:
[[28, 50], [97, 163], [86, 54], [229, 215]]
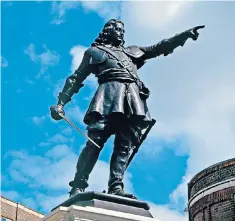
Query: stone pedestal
[[93, 206]]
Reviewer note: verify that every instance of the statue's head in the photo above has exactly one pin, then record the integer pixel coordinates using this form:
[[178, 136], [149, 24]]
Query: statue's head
[[113, 33]]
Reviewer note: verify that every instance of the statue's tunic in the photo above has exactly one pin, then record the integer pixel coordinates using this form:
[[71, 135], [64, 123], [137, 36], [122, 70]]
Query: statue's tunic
[[119, 85]]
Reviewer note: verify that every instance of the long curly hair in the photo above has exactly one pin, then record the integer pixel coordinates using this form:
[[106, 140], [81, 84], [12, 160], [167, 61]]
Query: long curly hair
[[103, 36]]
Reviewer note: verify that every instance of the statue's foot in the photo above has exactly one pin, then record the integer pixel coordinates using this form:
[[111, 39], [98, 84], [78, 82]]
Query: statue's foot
[[120, 192], [75, 191]]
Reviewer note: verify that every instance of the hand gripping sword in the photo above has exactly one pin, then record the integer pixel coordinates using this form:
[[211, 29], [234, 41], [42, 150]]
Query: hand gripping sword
[[77, 129]]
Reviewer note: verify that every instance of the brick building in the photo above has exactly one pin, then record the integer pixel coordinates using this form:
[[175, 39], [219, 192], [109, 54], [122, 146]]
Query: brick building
[[211, 193], [13, 211]]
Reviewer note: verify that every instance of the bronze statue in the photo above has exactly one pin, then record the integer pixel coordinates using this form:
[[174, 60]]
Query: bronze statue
[[119, 104]]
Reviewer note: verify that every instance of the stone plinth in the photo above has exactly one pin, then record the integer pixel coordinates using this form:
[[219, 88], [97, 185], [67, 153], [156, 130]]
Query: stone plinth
[[100, 207], [88, 213]]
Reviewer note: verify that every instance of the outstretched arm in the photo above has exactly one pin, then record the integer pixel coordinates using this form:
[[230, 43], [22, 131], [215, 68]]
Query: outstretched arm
[[167, 46], [74, 82]]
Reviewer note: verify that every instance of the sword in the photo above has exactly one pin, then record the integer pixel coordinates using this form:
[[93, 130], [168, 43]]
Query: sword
[[143, 137], [77, 129]]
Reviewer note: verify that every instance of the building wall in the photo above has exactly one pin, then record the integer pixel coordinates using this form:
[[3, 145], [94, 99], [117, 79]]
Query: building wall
[[212, 193], [18, 212]]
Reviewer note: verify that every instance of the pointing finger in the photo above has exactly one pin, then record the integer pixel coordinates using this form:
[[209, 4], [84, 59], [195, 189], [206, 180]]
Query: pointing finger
[[199, 27]]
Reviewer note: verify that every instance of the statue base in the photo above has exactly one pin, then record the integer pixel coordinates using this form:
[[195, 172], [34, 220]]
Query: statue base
[[109, 202], [100, 206]]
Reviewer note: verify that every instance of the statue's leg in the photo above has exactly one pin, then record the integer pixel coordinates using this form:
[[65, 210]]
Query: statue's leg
[[124, 140], [87, 160]]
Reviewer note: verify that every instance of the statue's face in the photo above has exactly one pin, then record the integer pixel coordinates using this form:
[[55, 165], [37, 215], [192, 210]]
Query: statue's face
[[117, 33]]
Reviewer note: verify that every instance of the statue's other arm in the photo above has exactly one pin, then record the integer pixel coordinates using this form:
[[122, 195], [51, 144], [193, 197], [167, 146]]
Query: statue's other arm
[[74, 82], [91, 58], [167, 46]]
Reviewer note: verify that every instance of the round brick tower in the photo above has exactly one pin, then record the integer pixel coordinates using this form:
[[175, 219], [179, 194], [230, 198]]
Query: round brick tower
[[211, 193]]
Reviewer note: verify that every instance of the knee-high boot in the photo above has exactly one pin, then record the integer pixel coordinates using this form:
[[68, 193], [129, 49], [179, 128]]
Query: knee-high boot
[[87, 161], [118, 164]]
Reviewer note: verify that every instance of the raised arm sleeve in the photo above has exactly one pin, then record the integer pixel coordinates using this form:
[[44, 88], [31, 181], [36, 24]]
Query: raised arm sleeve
[[165, 47]]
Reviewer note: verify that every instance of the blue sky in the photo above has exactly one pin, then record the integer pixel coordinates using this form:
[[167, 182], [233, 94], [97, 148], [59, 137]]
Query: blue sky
[[43, 42]]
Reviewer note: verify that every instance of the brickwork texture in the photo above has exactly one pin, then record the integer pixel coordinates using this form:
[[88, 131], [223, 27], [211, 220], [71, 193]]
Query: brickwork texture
[[18, 212], [212, 193]]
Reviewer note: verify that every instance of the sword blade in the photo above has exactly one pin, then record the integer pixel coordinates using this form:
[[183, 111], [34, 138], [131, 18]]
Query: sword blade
[[77, 129]]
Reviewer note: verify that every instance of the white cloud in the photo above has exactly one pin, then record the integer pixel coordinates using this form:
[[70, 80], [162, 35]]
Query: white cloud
[[58, 151], [107, 10], [164, 213], [16, 175], [61, 170], [180, 195], [150, 15], [3, 62], [92, 5], [47, 58], [30, 51], [59, 10], [38, 120], [58, 138]]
